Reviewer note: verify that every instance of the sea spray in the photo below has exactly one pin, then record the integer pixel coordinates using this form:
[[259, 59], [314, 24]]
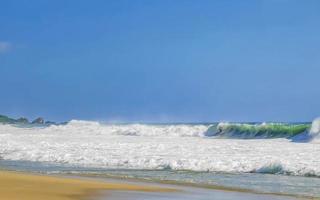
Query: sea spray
[[314, 132], [161, 147]]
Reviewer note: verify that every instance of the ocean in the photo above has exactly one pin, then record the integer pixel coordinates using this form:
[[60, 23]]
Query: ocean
[[262, 157]]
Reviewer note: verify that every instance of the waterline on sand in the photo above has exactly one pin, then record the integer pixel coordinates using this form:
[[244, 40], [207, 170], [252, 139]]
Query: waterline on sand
[[17, 186]]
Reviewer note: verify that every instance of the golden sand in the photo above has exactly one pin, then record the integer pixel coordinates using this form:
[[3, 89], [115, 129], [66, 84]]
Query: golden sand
[[14, 186]]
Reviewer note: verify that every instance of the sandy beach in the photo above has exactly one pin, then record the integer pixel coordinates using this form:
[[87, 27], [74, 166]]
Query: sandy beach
[[17, 186], [27, 186]]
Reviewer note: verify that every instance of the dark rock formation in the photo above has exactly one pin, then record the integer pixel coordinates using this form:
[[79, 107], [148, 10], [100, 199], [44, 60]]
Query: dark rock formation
[[22, 120], [39, 120]]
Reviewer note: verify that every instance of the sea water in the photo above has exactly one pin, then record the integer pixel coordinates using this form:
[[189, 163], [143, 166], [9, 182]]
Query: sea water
[[265, 157]]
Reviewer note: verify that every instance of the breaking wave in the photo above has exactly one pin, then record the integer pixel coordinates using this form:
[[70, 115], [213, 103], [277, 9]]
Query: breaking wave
[[221, 130], [179, 130], [314, 132], [264, 130], [172, 146]]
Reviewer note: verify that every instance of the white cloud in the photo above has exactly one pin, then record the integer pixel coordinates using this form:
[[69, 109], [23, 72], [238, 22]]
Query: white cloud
[[5, 47]]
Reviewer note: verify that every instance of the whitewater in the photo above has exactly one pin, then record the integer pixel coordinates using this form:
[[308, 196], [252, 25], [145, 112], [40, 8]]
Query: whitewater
[[291, 149]]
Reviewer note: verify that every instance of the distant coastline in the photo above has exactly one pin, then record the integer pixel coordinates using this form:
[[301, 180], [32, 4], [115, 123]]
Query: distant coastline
[[23, 120]]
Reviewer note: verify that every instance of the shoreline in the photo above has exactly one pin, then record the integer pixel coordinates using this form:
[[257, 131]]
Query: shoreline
[[29, 185], [21, 185], [178, 185]]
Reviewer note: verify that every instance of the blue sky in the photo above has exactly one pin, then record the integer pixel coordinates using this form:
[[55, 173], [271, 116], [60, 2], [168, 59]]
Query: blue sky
[[160, 60]]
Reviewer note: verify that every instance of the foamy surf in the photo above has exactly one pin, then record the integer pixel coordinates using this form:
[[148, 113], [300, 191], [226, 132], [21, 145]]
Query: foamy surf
[[174, 147], [315, 130]]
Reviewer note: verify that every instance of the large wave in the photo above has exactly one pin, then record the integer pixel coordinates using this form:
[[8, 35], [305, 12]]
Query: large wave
[[96, 128], [175, 147], [264, 130], [220, 130]]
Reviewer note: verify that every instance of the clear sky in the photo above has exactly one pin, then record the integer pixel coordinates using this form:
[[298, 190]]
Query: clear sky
[[160, 60]]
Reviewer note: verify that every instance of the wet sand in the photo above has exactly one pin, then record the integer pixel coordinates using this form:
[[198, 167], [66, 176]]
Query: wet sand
[[23, 186], [26, 186]]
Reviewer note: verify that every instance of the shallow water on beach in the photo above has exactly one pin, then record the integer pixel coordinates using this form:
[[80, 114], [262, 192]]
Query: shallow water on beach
[[262, 183], [190, 194]]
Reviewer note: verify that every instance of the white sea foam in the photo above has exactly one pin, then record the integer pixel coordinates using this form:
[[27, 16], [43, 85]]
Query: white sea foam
[[315, 130], [137, 146]]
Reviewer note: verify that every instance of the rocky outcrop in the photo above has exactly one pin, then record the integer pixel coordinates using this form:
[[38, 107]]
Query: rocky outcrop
[[22, 120], [39, 120]]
